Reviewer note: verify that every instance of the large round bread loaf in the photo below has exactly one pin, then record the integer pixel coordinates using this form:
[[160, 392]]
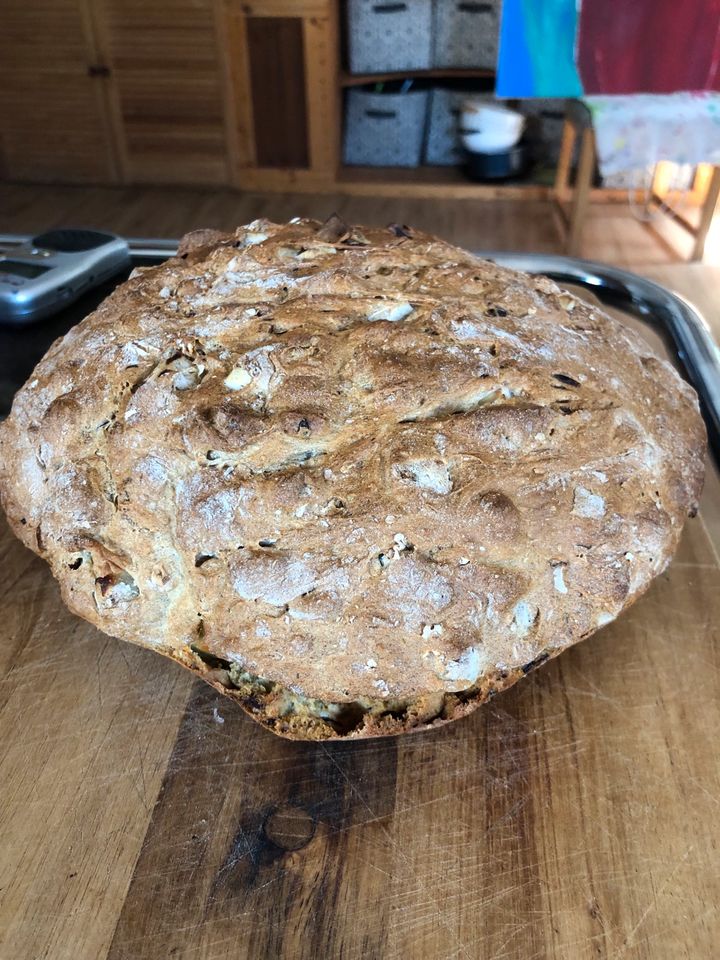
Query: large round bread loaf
[[359, 480]]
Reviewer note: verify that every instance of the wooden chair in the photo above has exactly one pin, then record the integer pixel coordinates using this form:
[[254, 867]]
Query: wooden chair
[[572, 205]]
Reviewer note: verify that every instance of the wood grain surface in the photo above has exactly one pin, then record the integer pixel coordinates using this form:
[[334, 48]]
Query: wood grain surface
[[55, 121], [143, 816], [165, 80], [576, 816], [277, 73]]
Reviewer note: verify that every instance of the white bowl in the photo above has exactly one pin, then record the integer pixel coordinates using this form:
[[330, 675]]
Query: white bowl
[[481, 141], [488, 118]]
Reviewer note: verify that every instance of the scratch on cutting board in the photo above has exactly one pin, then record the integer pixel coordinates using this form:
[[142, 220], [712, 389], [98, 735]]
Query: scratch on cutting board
[[594, 695], [628, 942], [703, 788], [237, 854], [433, 800], [131, 670], [98, 673], [274, 879], [709, 539], [192, 927], [398, 853], [502, 954], [142, 777], [374, 866], [594, 689]]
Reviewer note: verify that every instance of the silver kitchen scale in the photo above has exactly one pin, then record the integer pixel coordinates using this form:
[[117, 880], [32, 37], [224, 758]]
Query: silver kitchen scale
[[53, 269]]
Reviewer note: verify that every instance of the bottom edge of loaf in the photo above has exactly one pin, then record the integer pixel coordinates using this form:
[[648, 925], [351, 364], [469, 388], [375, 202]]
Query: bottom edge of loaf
[[296, 717]]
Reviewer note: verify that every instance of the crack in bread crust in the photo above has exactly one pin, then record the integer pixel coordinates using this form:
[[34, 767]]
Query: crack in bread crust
[[366, 465]]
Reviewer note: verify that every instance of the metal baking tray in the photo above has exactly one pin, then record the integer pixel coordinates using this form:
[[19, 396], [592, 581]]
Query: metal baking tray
[[680, 324]]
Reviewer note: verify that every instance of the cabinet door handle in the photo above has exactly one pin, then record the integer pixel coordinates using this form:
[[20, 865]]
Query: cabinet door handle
[[98, 70]]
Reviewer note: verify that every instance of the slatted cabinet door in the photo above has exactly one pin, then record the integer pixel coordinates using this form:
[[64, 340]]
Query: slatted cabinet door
[[241, 92], [167, 80], [280, 68], [55, 123]]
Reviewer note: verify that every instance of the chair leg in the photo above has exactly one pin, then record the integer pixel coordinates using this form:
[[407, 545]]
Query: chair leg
[[706, 215], [586, 167], [656, 184], [562, 173]]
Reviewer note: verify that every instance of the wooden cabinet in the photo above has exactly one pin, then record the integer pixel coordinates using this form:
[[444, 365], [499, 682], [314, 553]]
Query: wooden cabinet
[[237, 92], [167, 86], [281, 66], [112, 91], [173, 91], [55, 118]]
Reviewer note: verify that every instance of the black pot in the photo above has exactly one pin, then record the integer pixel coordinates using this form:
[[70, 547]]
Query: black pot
[[498, 166]]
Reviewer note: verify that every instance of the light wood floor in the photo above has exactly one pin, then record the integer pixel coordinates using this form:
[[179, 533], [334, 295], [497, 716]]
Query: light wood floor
[[612, 233]]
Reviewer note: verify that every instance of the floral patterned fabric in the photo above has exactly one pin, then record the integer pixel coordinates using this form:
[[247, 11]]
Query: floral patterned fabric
[[634, 132]]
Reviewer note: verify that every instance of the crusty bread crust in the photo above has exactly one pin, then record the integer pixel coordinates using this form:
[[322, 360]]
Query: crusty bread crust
[[357, 479]]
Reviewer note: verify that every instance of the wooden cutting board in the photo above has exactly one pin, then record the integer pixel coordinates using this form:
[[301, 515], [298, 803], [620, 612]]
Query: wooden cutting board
[[142, 816]]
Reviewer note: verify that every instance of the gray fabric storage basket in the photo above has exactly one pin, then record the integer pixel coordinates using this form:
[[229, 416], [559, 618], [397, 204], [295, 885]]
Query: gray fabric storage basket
[[384, 129], [466, 33], [443, 146], [385, 37]]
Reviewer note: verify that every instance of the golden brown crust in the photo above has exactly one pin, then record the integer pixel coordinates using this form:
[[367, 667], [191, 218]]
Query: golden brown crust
[[359, 466]]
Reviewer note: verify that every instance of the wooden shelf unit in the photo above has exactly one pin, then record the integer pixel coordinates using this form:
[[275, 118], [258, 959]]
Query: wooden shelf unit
[[324, 86], [424, 181], [436, 182], [438, 73], [220, 92]]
